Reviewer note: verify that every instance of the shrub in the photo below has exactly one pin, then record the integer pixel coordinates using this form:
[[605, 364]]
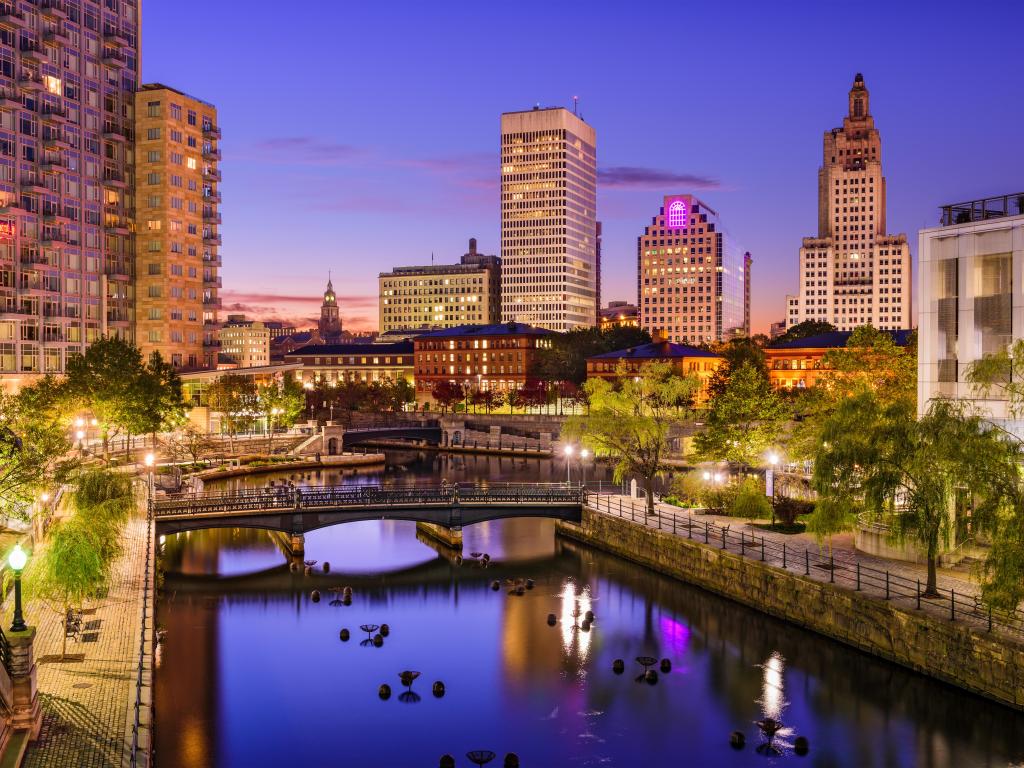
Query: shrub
[[787, 509], [750, 501], [689, 490]]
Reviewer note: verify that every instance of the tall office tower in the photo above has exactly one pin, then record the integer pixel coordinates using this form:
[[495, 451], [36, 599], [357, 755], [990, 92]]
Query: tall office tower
[[67, 74], [549, 268], [853, 273], [691, 278], [177, 218]]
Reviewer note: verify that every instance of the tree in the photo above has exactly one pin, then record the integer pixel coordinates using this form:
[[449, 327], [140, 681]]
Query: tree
[[34, 445], [190, 441], [908, 472], [566, 358], [448, 393], [745, 419], [629, 420], [737, 353], [804, 330], [162, 403], [108, 381], [235, 398], [280, 402]]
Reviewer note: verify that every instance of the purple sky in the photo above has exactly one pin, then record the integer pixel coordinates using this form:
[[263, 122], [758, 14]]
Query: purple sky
[[370, 139]]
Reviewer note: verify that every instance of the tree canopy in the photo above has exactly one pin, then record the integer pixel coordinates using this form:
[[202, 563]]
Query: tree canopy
[[566, 359], [804, 330]]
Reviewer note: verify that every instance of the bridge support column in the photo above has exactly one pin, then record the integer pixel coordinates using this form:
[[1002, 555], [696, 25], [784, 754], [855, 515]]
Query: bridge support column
[[26, 713], [450, 537], [297, 544]]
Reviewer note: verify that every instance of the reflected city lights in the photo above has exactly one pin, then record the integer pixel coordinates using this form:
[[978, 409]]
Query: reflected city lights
[[773, 699], [573, 609], [674, 634]]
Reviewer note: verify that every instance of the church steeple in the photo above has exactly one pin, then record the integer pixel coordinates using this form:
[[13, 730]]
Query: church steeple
[[330, 317]]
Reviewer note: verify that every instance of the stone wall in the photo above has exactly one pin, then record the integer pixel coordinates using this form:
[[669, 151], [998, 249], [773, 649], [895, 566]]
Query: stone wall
[[952, 652]]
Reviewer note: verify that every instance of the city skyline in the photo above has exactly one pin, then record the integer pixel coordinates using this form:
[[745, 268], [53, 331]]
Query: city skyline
[[406, 143]]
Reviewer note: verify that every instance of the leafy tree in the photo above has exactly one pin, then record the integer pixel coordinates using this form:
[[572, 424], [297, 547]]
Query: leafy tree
[[750, 501], [908, 471], [108, 381], [566, 358], [448, 393], [515, 399], [745, 419], [629, 420], [190, 441], [280, 402], [235, 398], [1000, 376], [162, 402], [804, 330], [737, 353], [34, 445]]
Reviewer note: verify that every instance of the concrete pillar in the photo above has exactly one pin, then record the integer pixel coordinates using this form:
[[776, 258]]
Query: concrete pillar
[[545, 440], [298, 544], [26, 714], [450, 537]]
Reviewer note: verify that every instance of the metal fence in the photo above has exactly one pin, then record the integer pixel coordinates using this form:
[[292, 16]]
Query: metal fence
[[897, 587], [139, 672]]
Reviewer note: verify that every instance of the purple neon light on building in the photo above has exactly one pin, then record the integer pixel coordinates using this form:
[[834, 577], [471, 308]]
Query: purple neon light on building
[[677, 215]]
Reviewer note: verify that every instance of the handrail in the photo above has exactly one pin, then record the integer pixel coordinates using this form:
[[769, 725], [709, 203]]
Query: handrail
[[136, 724], [5, 651], [862, 578]]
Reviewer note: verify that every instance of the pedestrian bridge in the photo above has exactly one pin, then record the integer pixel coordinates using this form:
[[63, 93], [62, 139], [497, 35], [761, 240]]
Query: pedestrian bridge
[[296, 511]]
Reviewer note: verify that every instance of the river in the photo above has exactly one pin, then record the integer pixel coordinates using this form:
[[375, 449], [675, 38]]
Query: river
[[251, 672]]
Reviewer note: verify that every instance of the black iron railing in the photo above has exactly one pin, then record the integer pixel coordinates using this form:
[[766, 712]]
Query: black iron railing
[[891, 585], [5, 651], [140, 669], [252, 500]]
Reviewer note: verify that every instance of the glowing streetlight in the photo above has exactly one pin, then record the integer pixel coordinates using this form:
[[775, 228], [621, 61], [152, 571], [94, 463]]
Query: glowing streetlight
[[17, 560], [773, 458], [584, 455], [79, 435], [44, 497], [149, 461], [707, 476], [79, 422]]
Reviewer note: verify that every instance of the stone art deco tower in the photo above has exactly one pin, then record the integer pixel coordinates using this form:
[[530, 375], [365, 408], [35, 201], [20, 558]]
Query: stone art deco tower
[[853, 273], [330, 319]]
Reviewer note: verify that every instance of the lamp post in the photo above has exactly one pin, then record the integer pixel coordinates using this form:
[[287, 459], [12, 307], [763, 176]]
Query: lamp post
[[773, 459], [583, 465], [16, 560], [568, 457], [80, 436]]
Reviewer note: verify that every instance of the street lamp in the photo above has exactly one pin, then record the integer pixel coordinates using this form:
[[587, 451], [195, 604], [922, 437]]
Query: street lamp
[[773, 459], [707, 476], [149, 460], [16, 560], [583, 465], [568, 455], [80, 435]]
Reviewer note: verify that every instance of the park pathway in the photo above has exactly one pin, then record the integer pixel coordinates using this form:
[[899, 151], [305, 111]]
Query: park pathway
[[88, 702]]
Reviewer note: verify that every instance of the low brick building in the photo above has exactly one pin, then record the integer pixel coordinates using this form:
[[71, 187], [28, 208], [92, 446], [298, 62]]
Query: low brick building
[[501, 357], [800, 363], [685, 361], [353, 362]]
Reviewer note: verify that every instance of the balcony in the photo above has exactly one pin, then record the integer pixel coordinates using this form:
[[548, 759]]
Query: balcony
[[211, 239], [30, 82], [33, 51], [56, 36], [112, 57], [211, 174], [211, 197], [53, 9], [117, 225], [56, 142], [10, 99], [212, 301], [211, 132], [53, 239], [211, 217], [211, 154], [114, 36], [55, 216], [10, 15], [117, 270], [33, 182], [211, 343], [213, 261], [52, 114], [114, 178], [10, 207], [211, 282], [53, 163], [114, 131]]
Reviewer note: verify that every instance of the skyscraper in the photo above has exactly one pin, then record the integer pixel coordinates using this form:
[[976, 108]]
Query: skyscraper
[[549, 227], [853, 273], [692, 280], [177, 264], [67, 75]]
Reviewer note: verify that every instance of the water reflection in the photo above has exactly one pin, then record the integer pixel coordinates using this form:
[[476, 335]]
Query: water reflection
[[252, 673]]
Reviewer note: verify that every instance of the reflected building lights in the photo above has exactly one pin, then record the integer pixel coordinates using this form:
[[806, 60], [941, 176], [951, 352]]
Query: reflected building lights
[[773, 699], [573, 608]]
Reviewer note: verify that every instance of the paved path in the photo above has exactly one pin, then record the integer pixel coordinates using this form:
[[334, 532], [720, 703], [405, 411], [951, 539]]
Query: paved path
[[88, 704], [782, 550]]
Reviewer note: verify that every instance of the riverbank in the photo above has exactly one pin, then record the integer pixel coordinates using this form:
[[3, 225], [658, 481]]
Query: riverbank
[[985, 663], [401, 445], [326, 462]]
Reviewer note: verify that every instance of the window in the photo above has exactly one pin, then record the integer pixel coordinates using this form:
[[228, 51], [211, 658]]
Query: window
[[153, 134], [153, 109]]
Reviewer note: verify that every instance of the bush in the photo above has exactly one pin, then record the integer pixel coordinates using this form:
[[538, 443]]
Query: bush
[[750, 501], [787, 510], [688, 490]]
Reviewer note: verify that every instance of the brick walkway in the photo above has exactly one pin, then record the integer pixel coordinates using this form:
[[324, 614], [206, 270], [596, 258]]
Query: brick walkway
[[88, 703], [744, 538]]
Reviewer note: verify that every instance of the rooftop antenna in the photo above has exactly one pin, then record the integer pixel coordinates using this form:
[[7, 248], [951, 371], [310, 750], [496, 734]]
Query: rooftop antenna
[[575, 104]]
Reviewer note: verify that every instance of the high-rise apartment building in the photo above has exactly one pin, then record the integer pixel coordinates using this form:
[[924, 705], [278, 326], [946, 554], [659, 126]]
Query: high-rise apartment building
[[853, 273], [549, 229], [67, 75], [691, 278], [177, 221], [244, 343], [442, 295]]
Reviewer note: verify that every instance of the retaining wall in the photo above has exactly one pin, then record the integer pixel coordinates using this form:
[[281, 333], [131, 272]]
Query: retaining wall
[[978, 662]]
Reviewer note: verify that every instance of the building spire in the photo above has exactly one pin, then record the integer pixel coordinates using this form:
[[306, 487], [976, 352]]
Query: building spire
[[859, 99]]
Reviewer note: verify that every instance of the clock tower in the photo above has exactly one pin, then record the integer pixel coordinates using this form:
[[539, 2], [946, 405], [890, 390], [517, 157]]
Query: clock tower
[[330, 319]]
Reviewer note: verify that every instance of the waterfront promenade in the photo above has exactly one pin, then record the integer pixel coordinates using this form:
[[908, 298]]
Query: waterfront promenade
[[88, 701]]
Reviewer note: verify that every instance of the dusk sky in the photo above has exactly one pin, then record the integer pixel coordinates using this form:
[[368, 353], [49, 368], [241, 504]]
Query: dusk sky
[[369, 139]]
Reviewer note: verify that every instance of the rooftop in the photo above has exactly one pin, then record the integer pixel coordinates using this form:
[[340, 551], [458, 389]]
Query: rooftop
[[162, 87], [339, 350], [837, 339], [982, 210], [656, 350], [496, 329]]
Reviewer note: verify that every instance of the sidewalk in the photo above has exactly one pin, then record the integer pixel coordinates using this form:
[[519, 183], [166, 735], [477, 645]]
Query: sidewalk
[[744, 538], [88, 703]]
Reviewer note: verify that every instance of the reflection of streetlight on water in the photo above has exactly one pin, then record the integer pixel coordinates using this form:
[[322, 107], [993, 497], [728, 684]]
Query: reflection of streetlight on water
[[568, 457]]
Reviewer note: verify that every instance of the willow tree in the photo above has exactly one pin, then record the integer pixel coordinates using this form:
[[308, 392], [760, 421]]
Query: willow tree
[[908, 472], [630, 419]]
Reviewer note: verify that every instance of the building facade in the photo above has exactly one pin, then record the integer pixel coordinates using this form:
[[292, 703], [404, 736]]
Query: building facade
[[366, 363], [243, 343], [177, 281], [443, 295], [67, 78], [499, 357], [853, 273], [971, 298], [549, 230], [691, 278], [619, 314], [684, 359], [800, 363]]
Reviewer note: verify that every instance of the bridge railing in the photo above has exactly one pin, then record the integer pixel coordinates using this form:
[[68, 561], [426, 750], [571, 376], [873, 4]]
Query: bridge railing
[[335, 497]]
